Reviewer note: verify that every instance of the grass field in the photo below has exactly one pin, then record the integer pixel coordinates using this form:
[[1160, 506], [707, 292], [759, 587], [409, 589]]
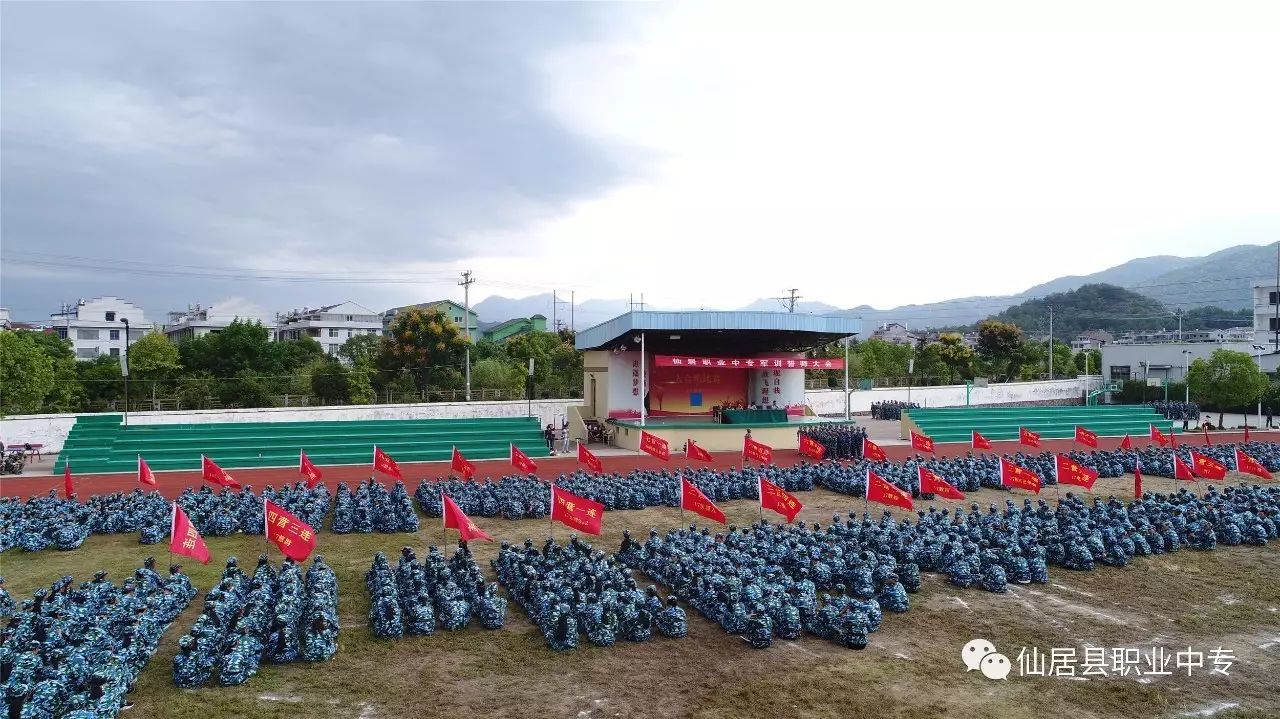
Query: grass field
[[1227, 598]]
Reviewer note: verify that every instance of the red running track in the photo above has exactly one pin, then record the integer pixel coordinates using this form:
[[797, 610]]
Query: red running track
[[171, 484]]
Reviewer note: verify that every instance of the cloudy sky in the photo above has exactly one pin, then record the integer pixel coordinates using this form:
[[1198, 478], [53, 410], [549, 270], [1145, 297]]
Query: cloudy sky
[[265, 156]]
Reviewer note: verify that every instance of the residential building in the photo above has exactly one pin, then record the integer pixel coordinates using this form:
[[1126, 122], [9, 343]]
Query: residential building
[[503, 331], [1091, 340], [448, 308], [331, 325], [895, 333], [195, 322], [1266, 321], [95, 327], [4, 318]]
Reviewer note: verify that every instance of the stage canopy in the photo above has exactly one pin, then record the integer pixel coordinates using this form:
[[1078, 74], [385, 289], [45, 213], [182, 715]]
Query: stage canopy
[[717, 333]]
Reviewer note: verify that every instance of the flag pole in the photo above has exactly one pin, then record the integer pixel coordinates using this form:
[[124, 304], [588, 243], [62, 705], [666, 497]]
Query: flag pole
[[866, 495], [551, 516], [682, 499], [760, 497]]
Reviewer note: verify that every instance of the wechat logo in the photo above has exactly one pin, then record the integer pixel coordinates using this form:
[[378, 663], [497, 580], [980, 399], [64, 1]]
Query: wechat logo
[[981, 655]]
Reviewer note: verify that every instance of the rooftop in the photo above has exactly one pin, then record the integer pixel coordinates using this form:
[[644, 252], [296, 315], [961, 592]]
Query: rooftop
[[721, 333]]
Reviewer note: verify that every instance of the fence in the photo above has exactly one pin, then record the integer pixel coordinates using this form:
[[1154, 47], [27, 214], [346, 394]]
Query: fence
[[171, 404]]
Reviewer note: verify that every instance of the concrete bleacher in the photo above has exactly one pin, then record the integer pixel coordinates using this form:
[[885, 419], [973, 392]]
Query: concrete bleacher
[[954, 424], [101, 443]]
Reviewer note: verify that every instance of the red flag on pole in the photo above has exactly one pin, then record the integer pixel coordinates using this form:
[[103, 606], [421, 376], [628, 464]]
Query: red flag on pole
[[881, 492], [1246, 433], [1249, 465], [758, 451], [1208, 467], [382, 462], [576, 512], [979, 442], [1069, 471], [586, 457], [1027, 438], [693, 451], [184, 539], [307, 469], [1087, 438], [1158, 436], [654, 445], [921, 442], [1181, 470], [1126, 443], [145, 475], [214, 474], [777, 499], [521, 461], [68, 490], [872, 452], [459, 464], [1137, 479], [1207, 442], [931, 483], [293, 536], [455, 519], [692, 499], [811, 447], [1173, 438], [1015, 477]]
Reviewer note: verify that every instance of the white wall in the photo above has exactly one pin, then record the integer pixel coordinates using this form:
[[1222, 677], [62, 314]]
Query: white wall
[[51, 429], [831, 402]]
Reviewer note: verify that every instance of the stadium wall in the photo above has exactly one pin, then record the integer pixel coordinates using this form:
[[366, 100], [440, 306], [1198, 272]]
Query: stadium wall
[[830, 403]]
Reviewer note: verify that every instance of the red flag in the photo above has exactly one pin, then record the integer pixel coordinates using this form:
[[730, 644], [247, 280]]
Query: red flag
[[811, 447], [872, 451], [586, 457], [459, 464], [758, 451], [68, 491], [1027, 438], [1137, 480], [692, 499], [1126, 443], [1249, 465], [1158, 436], [777, 499], [931, 483], [1015, 477], [145, 475], [979, 442], [382, 462], [521, 461], [654, 445], [693, 451], [576, 512], [293, 536], [1181, 470], [1246, 433], [184, 539], [1069, 471], [308, 470], [1087, 438], [1208, 467], [214, 474], [921, 442], [455, 519], [1207, 442], [881, 492], [1173, 438]]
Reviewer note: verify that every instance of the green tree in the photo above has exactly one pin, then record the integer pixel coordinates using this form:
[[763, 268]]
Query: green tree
[[1001, 345], [241, 345], [1227, 380], [557, 366], [329, 381], [1093, 363], [956, 355], [360, 384], [495, 374], [286, 357], [26, 374], [361, 349], [423, 343], [153, 358], [101, 380], [1064, 363], [245, 389], [66, 394], [196, 390]]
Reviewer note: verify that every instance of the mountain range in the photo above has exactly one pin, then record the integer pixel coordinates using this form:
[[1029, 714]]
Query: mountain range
[[1223, 279]]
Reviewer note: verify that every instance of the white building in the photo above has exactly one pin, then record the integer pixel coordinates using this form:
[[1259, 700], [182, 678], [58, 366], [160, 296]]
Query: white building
[[1266, 325], [331, 325], [895, 333], [1168, 360], [194, 322], [4, 318], [95, 327]]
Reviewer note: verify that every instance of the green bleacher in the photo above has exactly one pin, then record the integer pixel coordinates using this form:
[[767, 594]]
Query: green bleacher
[[101, 443], [954, 424]]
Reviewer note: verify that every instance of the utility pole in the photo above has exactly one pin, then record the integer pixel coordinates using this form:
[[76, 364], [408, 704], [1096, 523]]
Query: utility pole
[[557, 324], [467, 279], [1050, 343], [1276, 321], [572, 327], [790, 300]]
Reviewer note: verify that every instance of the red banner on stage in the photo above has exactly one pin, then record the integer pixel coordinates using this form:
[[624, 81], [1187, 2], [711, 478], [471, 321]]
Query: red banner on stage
[[747, 362]]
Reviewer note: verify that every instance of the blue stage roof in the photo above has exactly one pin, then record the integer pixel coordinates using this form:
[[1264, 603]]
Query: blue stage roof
[[783, 328]]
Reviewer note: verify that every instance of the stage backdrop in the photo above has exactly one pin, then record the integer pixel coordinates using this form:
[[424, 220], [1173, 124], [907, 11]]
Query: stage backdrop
[[688, 391]]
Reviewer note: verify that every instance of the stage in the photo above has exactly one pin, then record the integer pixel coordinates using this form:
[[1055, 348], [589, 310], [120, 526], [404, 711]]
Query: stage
[[713, 436]]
